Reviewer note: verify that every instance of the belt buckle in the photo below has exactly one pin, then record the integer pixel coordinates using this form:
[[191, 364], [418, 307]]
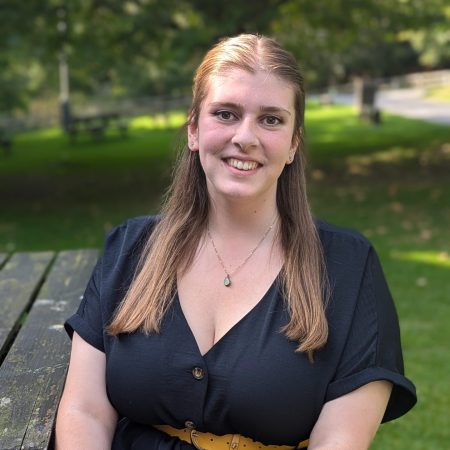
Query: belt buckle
[[234, 444], [193, 439]]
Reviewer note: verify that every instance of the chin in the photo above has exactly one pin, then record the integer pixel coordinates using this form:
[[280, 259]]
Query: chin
[[243, 194], [240, 191]]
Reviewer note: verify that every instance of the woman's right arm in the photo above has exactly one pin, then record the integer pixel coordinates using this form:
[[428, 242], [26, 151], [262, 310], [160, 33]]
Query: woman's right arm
[[86, 418]]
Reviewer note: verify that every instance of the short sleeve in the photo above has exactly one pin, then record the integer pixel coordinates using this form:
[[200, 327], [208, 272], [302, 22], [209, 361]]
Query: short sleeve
[[110, 281], [87, 321], [372, 350]]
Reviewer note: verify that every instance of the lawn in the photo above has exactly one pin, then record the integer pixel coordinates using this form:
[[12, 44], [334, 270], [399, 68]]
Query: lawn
[[391, 182]]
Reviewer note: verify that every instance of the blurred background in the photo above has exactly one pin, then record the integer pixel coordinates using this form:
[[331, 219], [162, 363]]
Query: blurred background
[[93, 94]]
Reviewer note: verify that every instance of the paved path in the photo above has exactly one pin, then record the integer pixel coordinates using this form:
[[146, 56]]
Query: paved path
[[408, 103]]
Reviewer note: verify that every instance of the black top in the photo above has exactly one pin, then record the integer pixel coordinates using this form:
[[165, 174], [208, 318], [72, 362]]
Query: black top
[[252, 381]]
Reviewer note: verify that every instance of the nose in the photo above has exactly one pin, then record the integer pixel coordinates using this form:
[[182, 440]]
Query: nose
[[245, 136]]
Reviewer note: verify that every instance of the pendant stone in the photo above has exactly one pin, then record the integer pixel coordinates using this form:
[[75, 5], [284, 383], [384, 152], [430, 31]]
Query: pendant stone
[[227, 281]]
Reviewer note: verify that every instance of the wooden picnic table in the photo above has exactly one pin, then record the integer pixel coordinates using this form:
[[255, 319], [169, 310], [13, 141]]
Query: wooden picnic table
[[9, 127], [97, 124], [5, 140], [38, 291]]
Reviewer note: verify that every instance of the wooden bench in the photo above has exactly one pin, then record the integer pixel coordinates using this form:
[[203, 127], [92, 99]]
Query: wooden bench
[[38, 291], [97, 125], [5, 141]]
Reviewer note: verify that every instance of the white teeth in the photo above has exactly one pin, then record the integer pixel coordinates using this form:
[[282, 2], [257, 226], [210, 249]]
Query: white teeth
[[242, 165]]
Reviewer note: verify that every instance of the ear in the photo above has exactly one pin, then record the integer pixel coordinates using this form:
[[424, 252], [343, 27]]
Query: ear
[[292, 151], [192, 137], [291, 157]]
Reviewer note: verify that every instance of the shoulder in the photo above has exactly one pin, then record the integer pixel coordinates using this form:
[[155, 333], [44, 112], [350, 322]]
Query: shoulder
[[349, 258], [130, 235], [329, 232], [124, 243], [342, 244]]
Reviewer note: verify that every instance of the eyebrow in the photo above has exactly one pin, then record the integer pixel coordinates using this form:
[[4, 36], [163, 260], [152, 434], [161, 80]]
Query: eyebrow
[[266, 109]]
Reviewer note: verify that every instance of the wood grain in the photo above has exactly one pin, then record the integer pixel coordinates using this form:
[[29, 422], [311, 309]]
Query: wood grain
[[33, 373]]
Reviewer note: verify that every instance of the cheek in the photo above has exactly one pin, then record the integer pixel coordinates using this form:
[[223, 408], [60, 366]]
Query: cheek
[[281, 144], [212, 137]]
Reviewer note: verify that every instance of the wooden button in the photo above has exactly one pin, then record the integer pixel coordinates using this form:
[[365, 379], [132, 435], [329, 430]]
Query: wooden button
[[198, 373]]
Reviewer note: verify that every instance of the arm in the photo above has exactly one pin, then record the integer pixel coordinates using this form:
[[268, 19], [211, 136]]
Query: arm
[[85, 418], [351, 421]]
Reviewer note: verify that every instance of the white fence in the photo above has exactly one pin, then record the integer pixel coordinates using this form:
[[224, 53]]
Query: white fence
[[420, 80], [44, 113]]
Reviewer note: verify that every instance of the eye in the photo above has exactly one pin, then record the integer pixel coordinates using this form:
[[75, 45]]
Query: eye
[[271, 120], [224, 115]]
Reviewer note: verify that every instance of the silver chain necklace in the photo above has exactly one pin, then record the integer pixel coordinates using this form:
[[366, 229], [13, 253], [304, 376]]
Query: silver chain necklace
[[228, 275]]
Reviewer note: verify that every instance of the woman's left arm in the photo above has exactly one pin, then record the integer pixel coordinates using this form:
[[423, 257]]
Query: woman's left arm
[[351, 421]]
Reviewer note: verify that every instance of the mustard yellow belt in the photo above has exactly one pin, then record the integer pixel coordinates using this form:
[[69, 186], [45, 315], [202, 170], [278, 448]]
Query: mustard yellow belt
[[209, 441]]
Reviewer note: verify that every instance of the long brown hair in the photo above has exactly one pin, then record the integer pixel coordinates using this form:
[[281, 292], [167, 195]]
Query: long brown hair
[[173, 243]]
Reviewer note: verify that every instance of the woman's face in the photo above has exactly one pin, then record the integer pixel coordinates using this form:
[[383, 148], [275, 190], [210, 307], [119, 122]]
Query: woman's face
[[244, 134]]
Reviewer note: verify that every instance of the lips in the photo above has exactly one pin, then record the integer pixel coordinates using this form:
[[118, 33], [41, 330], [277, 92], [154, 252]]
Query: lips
[[242, 165]]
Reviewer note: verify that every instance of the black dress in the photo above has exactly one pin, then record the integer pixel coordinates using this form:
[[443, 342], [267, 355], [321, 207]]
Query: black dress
[[252, 381]]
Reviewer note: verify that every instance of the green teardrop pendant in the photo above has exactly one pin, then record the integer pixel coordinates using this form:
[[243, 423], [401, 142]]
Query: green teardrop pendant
[[227, 281]]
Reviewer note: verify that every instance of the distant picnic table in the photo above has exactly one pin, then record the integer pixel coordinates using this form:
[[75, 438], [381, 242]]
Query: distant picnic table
[[8, 128], [97, 124], [5, 140], [38, 291]]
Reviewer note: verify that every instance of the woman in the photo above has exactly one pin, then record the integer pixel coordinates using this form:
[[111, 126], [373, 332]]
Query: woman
[[234, 320]]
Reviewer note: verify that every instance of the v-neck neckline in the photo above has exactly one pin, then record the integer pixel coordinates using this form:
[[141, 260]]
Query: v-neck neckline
[[236, 325]]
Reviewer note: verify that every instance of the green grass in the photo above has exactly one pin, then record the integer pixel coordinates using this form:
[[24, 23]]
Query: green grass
[[60, 194], [391, 182]]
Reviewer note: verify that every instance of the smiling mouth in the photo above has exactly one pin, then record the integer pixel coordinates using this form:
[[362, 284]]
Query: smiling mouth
[[242, 165]]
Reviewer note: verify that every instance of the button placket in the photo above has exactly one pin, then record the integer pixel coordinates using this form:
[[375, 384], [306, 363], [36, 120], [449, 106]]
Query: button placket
[[195, 395]]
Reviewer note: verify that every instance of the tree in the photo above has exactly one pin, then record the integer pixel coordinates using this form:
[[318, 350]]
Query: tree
[[339, 38], [151, 47]]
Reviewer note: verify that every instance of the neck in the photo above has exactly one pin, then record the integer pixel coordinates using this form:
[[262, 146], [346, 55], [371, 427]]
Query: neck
[[239, 218], [236, 230]]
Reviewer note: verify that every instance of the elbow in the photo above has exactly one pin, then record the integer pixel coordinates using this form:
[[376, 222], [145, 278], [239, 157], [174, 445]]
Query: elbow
[[77, 428]]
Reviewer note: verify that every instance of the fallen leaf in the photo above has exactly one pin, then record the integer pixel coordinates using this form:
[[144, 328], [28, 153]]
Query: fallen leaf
[[407, 225], [392, 190], [435, 194], [397, 207], [421, 281], [382, 230], [425, 234], [318, 174]]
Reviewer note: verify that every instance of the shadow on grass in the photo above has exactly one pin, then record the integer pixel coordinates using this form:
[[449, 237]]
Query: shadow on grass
[[79, 189], [336, 132]]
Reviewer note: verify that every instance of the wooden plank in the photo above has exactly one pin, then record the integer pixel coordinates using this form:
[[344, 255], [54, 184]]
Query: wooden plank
[[33, 373], [19, 281]]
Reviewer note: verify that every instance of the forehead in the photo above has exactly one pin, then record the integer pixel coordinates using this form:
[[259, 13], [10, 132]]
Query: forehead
[[244, 87]]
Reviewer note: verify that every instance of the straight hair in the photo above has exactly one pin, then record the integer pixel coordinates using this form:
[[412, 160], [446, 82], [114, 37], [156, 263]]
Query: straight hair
[[172, 245]]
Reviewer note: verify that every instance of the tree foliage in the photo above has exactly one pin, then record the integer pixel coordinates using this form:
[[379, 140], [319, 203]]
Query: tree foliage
[[151, 47], [340, 38]]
